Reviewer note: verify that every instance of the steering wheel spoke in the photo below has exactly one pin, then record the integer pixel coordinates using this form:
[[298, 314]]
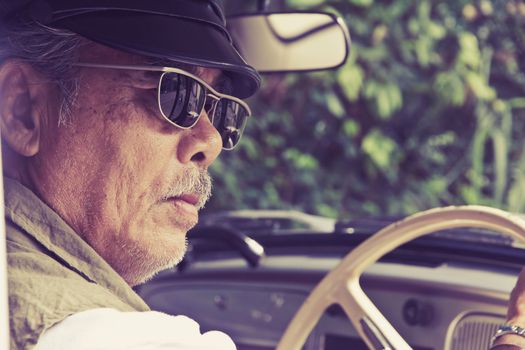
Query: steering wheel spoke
[[369, 322]]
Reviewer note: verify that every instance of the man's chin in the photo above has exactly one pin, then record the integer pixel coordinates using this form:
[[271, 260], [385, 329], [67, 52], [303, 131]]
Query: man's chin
[[139, 261], [149, 270], [144, 277]]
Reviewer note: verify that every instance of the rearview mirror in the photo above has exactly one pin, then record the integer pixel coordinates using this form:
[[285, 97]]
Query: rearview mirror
[[284, 42]]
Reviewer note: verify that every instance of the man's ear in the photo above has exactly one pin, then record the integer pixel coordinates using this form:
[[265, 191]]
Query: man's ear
[[20, 116]]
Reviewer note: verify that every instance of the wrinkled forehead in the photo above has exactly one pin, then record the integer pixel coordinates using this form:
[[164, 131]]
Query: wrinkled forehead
[[96, 53]]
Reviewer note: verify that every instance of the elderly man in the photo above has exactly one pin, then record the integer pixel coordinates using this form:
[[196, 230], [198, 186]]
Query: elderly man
[[111, 113]]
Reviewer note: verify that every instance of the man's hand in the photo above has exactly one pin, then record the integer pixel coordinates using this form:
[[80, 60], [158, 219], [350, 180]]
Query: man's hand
[[516, 310], [516, 313]]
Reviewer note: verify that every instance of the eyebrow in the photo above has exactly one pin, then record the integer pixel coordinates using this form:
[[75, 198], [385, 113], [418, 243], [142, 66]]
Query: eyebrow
[[223, 84]]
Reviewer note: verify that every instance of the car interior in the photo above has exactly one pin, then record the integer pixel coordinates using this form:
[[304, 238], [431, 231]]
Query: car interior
[[438, 300]]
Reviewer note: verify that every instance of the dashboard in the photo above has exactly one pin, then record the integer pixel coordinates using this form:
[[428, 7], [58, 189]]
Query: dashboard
[[438, 307]]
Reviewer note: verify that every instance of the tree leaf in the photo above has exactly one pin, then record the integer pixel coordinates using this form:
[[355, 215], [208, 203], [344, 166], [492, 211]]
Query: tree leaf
[[304, 3], [362, 3], [350, 77], [334, 105], [379, 148]]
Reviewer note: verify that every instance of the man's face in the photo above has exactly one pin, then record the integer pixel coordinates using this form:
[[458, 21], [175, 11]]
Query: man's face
[[127, 181]]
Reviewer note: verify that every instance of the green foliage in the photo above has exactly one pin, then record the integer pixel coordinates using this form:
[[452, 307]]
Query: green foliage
[[380, 149], [304, 3], [429, 110]]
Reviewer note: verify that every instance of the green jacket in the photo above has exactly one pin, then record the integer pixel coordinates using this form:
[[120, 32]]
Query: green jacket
[[52, 272]]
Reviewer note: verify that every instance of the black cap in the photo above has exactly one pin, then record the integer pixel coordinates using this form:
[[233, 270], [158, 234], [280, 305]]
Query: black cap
[[186, 31]]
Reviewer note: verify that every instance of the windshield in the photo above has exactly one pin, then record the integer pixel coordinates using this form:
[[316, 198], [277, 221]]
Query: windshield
[[428, 111]]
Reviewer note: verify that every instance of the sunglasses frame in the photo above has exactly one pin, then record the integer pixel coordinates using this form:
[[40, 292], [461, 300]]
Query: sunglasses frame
[[210, 91]]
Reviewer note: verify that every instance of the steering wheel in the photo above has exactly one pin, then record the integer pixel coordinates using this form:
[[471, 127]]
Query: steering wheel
[[341, 286]]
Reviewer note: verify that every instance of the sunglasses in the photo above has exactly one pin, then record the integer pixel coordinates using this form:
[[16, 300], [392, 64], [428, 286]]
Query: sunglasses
[[182, 97]]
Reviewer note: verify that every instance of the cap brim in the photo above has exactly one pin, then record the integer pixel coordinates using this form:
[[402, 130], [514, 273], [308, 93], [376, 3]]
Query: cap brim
[[170, 38]]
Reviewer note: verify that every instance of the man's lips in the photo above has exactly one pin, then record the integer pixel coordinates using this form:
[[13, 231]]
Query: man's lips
[[187, 199], [186, 207], [192, 199]]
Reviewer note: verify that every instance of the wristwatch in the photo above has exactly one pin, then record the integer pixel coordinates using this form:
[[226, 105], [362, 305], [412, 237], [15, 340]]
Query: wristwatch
[[505, 329]]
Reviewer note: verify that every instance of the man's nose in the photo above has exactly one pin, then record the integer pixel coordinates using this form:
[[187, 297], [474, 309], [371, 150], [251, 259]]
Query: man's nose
[[200, 144]]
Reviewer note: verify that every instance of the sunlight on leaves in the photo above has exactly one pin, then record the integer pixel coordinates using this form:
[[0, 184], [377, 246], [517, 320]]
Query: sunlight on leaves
[[350, 77], [351, 128], [304, 3], [334, 105], [469, 50], [480, 87], [379, 148], [361, 3]]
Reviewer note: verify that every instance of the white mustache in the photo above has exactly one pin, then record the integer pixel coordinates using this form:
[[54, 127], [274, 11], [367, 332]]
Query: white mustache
[[192, 181]]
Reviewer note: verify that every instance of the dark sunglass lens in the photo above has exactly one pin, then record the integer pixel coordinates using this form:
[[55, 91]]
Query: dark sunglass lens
[[230, 119], [181, 99]]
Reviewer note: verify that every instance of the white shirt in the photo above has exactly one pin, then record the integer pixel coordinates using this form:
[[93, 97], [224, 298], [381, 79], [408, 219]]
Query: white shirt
[[110, 329]]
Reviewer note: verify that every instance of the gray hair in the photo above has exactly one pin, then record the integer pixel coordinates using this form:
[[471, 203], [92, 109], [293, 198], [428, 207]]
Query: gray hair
[[51, 51]]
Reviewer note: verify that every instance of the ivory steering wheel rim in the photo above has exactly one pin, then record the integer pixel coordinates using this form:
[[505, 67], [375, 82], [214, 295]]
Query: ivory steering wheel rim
[[341, 285]]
